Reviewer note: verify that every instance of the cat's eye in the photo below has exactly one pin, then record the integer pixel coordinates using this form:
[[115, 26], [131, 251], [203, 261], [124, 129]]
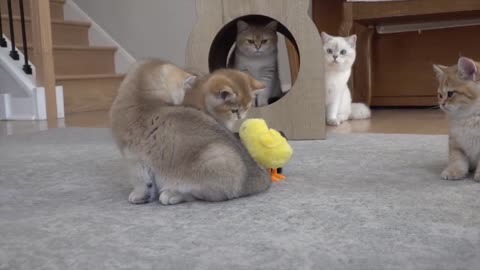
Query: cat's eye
[[450, 94], [343, 52], [235, 111], [440, 96], [329, 51], [264, 41], [251, 41]]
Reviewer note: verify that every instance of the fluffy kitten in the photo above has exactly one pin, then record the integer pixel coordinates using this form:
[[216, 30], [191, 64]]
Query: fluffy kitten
[[161, 80], [339, 57], [180, 152], [226, 94], [256, 53], [459, 97]]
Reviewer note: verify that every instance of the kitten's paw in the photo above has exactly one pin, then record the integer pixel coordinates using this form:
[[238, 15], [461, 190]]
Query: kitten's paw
[[168, 197], [333, 122], [342, 117], [451, 173], [476, 178], [139, 195]]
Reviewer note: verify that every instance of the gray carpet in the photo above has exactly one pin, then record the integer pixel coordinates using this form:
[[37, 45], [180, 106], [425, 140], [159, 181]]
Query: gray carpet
[[350, 202]]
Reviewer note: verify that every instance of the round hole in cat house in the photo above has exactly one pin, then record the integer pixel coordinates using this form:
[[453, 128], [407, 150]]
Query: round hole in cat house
[[266, 50]]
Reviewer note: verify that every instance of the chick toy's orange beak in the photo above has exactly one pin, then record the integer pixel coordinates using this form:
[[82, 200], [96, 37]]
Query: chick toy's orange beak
[[276, 177]]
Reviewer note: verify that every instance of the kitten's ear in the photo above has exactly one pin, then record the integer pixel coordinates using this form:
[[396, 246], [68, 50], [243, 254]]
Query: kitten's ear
[[439, 70], [326, 37], [241, 26], [272, 26], [467, 69], [226, 94], [257, 86], [189, 81], [352, 40]]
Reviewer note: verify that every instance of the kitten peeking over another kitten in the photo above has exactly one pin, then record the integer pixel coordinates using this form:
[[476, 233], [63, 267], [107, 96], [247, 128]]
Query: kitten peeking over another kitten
[[339, 57], [459, 98], [179, 153]]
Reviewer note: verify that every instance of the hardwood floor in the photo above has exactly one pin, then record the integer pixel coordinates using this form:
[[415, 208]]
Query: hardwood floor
[[412, 121]]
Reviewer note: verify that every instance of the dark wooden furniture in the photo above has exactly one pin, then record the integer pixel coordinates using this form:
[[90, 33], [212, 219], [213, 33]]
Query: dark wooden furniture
[[395, 69]]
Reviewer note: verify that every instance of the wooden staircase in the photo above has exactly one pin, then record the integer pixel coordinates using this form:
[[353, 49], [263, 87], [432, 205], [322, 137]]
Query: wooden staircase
[[87, 73]]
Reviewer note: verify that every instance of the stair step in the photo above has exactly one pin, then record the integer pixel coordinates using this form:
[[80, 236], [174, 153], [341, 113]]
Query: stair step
[[80, 60], [84, 93], [56, 8], [63, 32]]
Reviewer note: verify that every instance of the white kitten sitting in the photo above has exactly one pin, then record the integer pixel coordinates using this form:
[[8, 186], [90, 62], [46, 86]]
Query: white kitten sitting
[[339, 58]]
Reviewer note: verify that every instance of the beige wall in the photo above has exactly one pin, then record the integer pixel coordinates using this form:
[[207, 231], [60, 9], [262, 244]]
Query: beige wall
[[146, 28]]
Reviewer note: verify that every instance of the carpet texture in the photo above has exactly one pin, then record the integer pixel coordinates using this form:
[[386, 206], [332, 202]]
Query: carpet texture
[[350, 202]]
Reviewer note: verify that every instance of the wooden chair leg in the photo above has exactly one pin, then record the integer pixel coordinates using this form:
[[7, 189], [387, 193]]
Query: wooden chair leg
[[347, 20], [362, 74], [346, 28]]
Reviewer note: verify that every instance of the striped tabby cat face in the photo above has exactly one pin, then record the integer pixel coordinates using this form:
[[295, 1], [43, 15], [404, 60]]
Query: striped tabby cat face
[[459, 89]]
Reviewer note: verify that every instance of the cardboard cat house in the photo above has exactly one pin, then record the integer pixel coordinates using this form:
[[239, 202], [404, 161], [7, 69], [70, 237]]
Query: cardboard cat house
[[300, 114]]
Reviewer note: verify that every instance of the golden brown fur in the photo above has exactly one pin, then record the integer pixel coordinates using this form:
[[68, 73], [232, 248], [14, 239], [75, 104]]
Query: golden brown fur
[[459, 97], [159, 81], [177, 153], [225, 94]]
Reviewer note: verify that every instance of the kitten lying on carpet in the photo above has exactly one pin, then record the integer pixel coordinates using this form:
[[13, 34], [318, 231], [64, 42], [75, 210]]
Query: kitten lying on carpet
[[459, 97], [180, 152], [339, 57]]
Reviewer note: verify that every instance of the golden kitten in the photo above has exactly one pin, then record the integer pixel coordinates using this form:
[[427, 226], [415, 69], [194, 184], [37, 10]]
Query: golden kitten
[[160, 80], [459, 97], [179, 153], [226, 94]]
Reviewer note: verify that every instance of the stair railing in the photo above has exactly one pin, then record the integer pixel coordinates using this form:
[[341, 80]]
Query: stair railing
[[43, 54], [41, 41], [13, 46]]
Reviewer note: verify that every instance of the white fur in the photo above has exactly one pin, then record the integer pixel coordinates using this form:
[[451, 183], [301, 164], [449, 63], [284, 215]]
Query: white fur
[[339, 57]]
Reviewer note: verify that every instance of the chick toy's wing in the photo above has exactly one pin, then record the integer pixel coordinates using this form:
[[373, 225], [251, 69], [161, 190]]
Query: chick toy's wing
[[278, 148], [271, 139]]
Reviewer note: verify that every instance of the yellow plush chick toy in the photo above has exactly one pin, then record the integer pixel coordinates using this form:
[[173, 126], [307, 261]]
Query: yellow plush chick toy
[[266, 146]]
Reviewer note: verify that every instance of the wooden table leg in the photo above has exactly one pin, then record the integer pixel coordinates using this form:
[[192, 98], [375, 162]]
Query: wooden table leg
[[347, 19], [362, 88], [346, 27]]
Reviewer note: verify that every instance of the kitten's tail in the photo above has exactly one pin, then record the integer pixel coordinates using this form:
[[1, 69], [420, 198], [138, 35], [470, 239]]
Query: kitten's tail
[[360, 111]]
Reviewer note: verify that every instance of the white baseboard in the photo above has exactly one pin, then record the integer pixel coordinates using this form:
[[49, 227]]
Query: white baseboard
[[98, 36], [30, 107], [60, 104]]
